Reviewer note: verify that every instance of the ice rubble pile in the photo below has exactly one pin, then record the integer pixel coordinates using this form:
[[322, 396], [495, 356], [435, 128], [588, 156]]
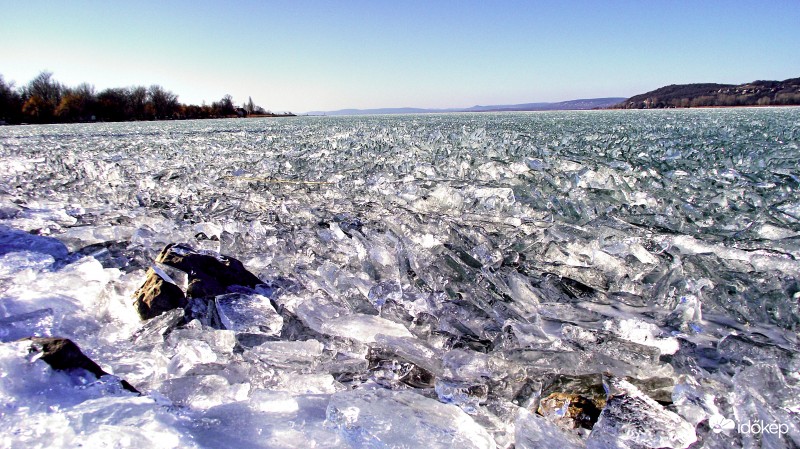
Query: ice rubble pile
[[601, 280]]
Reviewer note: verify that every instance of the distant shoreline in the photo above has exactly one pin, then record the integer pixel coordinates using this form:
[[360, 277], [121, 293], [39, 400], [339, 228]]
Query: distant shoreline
[[2, 123], [44, 101], [683, 96]]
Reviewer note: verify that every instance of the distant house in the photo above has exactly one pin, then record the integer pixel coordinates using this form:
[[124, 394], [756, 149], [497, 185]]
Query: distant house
[[241, 112]]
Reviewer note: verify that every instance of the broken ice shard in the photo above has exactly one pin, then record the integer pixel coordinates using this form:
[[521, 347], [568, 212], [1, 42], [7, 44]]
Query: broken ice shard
[[248, 312], [363, 328], [631, 419], [38, 323], [385, 418]]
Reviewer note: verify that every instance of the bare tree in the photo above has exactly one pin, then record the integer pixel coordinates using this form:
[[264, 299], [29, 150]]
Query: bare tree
[[224, 107], [42, 96], [137, 102], [77, 104], [250, 107], [164, 102], [10, 101]]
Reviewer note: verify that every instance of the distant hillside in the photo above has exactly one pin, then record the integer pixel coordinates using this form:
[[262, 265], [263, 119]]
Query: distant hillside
[[582, 104], [757, 93]]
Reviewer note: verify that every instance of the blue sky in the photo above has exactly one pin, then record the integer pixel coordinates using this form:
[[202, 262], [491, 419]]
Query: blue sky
[[323, 55]]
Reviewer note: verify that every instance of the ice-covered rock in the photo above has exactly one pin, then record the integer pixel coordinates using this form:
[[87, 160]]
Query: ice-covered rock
[[210, 273], [62, 354], [570, 401], [369, 418]]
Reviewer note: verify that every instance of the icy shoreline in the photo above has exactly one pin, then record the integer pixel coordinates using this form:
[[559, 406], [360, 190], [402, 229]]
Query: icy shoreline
[[505, 279]]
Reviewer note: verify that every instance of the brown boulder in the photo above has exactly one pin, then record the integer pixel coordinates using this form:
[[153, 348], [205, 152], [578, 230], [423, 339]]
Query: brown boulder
[[157, 296], [210, 274], [570, 410], [577, 401], [64, 355], [573, 401]]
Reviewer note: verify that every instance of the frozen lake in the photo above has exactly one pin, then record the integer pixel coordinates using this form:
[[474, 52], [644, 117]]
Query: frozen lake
[[598, 278]]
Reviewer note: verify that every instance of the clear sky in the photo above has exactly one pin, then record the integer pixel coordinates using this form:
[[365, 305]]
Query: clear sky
[[301, 55]]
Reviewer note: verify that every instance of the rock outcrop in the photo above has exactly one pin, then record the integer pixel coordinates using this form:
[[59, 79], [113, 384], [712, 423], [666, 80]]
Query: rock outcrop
[[64, 355], [157, 295], [210, 274]]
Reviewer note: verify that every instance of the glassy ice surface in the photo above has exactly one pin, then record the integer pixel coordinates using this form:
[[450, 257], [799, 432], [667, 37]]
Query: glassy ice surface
[[428, 280], [248, 313]]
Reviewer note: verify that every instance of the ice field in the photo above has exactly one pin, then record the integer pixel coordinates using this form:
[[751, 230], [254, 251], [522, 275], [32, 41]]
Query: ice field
[[601, 279]]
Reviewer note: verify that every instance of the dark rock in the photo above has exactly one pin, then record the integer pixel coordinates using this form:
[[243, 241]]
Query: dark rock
[[115, 254], [64, 355], [658, 388], [577, 401], [210, 274], [157, 296], [570, 410], [573, 401]]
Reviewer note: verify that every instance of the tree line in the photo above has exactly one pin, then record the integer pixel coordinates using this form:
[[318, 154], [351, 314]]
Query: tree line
[[45, 100]]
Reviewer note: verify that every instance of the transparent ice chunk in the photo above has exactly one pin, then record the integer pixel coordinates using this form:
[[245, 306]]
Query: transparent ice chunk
[[363, 328], [38, 323], [251, 313], [202, 392], [631, 419], [288, 353], [382, 291], [368, 418], [189, 353], [316, 310], [467, 395], [14, 262], [645, 333], [414, 350], [535, 432]]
